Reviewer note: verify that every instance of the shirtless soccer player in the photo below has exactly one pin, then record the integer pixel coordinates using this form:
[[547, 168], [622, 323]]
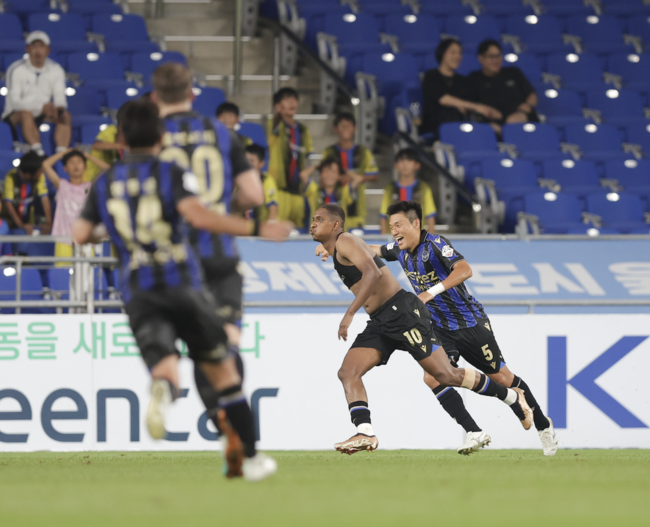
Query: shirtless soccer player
[[437, 272], [398, 320]]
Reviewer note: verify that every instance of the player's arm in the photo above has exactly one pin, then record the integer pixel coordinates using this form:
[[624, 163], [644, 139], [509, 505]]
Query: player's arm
[[353, 249], [103, 166], [88, 228], [47, 210], [459, 270], [248, 181], [48, 168]]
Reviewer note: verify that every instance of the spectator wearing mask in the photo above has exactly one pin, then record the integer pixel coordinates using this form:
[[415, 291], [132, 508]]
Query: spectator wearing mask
[[268, 210], [27, 207], [71, 195], [506, 89], [228, 114], [448, 96], [408, 187], [36, 94]]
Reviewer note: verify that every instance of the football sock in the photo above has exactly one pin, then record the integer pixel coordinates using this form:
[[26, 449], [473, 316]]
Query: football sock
[[360, 416], [490, 388], [208, 395], [238, 412], [453, 404], [541, 421]]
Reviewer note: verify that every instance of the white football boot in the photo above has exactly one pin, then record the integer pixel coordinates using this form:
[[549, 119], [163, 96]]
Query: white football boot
[[474, 441], [259, 467], [161, 398], [549, 439]]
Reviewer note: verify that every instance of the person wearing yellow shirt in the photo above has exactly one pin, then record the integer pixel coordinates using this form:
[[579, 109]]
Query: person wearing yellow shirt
[[408, 187], [268, 210]]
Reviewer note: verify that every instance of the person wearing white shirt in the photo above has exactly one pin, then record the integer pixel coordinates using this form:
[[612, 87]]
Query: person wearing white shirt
[[36, 94]]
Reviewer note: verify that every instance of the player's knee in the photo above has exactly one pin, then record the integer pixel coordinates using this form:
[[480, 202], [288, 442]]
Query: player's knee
[[448, 377], [502, 378], [348, 373]]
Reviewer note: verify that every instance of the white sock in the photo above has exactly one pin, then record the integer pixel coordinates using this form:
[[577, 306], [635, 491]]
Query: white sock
[[365, 428], [61, 149], [36, 146], [512, 397]]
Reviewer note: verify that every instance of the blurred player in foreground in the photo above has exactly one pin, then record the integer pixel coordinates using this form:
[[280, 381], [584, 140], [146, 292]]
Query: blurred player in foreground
[[142, 202], [437, 273], [398, 320]]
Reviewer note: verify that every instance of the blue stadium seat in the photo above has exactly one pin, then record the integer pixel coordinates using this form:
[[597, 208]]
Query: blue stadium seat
[[27, 7], [471, 30], [567, 7], [639, 134], [471, 141], [7, 160], [639, 26], [11, 34], [535, 141], [623, 211], [528, 63], [599, 142], [389, 9], [560, 107], [624, 7], [6, 138], [506, 7], [99, 70], [66, 31], [617, 107], [116, 97], [577, 177], [577, 71], [632, 174], [599, 34], [253, 131], [355, 34], [557, 213], [419, 35], [88, 8], [445, 7], [89, 132], [540, 34], [123, 33], [207, 99], [633, 68], [146, 63], [85, 106]]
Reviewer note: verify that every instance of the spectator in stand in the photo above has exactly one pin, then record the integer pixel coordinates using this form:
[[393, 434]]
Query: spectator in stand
[[408, 187], [289, 146], [255, 154], [332, 190], [36, 94], [27, 208], [506, 89], [71, 195], [448, 96], [4, 231], [228, 114]]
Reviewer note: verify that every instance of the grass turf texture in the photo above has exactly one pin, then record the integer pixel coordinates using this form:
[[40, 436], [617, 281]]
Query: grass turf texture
[[500, 488]]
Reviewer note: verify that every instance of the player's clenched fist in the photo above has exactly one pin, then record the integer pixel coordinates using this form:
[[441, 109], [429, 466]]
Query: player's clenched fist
[[322, 252]]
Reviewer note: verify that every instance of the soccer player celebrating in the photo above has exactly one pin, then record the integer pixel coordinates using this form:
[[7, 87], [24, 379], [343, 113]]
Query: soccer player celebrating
[[437, 272], [398, 320], [141, 202]]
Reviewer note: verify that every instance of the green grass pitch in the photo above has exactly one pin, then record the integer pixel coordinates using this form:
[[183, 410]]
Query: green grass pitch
[[385, 488]]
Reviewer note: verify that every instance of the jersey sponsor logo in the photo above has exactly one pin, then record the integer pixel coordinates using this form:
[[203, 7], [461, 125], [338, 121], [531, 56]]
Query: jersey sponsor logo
[[447, 251], [426, 280]]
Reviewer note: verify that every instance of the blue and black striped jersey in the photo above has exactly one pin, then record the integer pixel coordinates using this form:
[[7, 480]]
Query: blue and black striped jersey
[[136, 200], [214, 153], [431, 262]]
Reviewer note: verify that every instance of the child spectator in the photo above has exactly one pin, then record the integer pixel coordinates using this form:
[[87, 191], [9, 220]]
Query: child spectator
[[332, 190], [27, 206], [269, 209], [228, 114], [71, 195], [408, 187], [289, 145]]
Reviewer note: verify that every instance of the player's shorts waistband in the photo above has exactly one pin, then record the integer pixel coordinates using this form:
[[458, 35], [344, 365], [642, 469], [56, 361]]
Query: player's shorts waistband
[[391, 300]]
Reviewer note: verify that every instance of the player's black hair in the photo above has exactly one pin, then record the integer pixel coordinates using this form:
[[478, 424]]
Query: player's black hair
[[487, 44], [444, 45], [334, 210], [344, 116], [256, 150], [407, 153], [285, 93], [141, 126], [411, 209], [227, 107], [123, 108], [30, 163], [329, 161], [71, 154]]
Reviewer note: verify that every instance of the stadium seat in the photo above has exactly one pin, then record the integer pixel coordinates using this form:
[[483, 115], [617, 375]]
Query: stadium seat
[[445, 7], [85, 106], [88, 8], [598, 33], [598, 142], [89, 132], [207, 99], [617, 107], [567, 7], [11, 34], [146, 63], [577, 71], [506, 7], [123, 33], [116, 97], [540, 34], [99, 70], [624, 7], [528, 63], [471, 30], [557, 213], [471, 141], [632, 174], [66, 31], [27, 7], [577, 177], [355, 34], [560, 107], [389, 9], [639, 26], [623, 211], [6, 138], [417, 36], [634, 68], [535, 141], [639, 134], [8, 161], [253, 131]]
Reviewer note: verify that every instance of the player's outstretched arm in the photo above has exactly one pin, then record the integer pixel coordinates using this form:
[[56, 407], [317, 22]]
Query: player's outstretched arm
[[324, 255], [355, 250], [461, 272], [250, 192], [376, 249], [201, 218]]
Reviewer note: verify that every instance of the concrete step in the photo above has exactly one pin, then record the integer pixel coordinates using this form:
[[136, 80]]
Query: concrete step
[[190, 26], [184, 9], [256, 48]]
